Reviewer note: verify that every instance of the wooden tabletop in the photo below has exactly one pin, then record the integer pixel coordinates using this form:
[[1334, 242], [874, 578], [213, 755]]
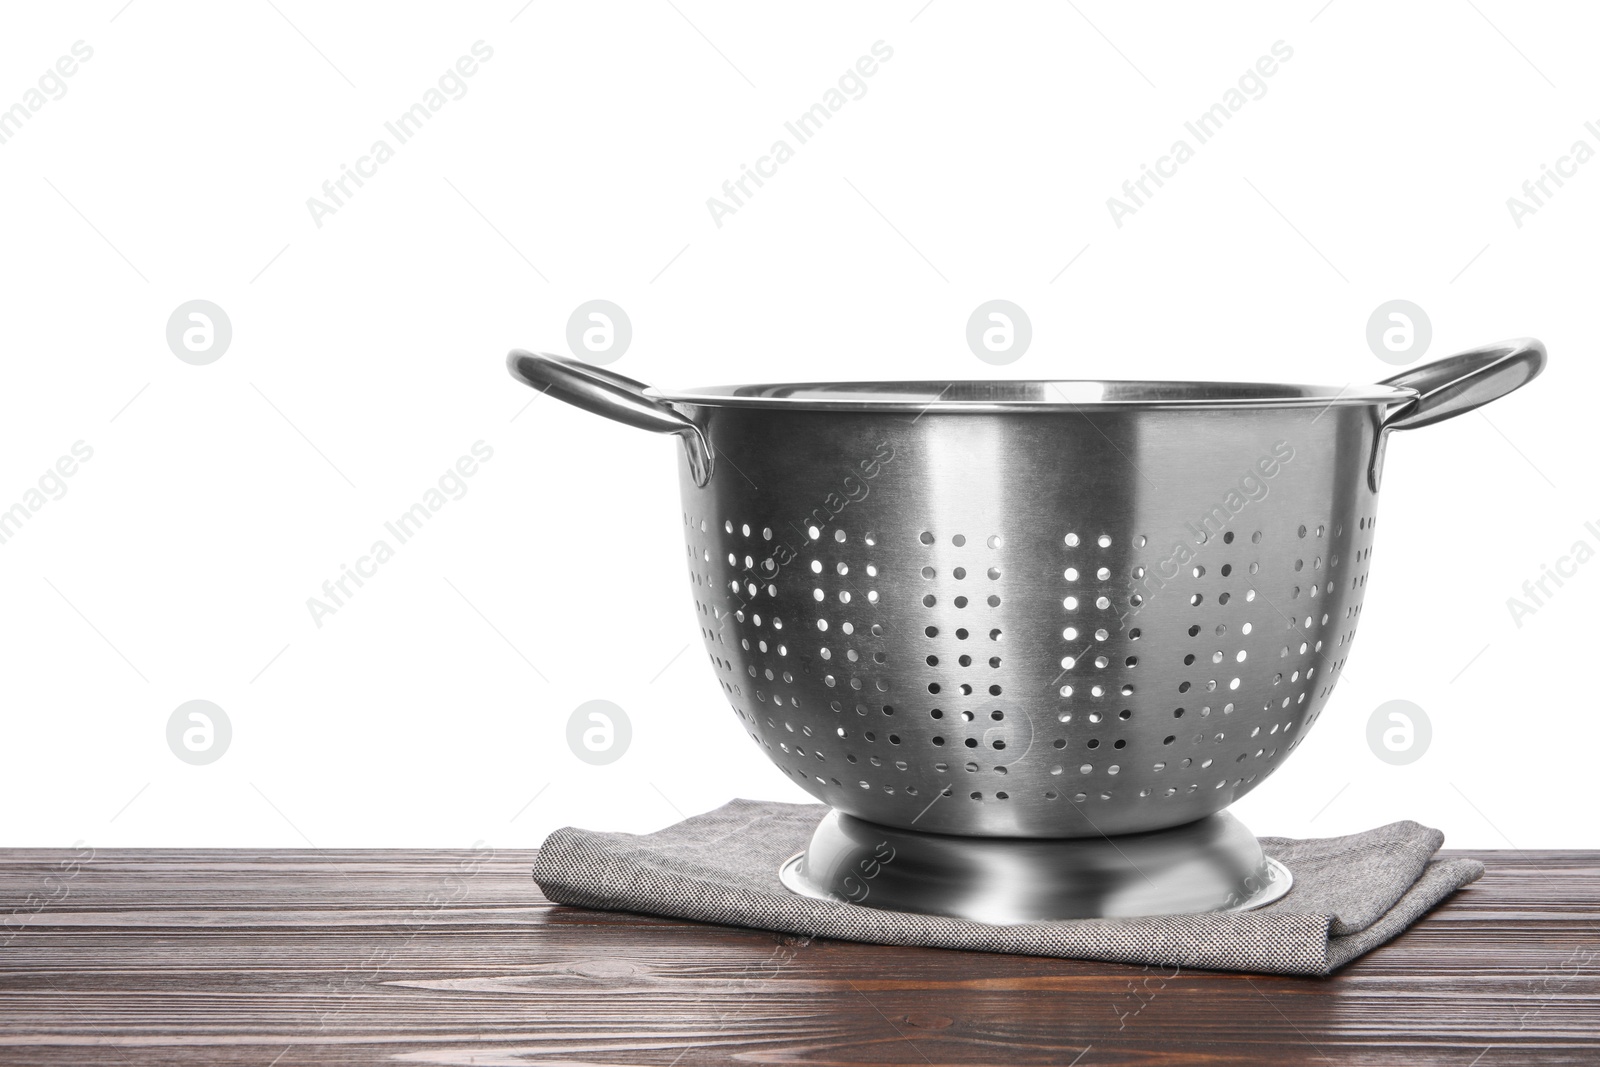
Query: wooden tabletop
[[402, 957]]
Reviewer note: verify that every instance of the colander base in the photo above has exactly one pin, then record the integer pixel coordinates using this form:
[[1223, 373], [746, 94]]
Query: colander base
[[1213, 864]]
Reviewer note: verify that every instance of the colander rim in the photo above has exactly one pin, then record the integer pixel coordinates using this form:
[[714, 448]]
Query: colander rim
[[1003, 396]]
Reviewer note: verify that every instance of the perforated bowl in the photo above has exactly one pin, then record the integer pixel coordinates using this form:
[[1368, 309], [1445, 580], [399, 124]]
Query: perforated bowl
[[1024, 608]]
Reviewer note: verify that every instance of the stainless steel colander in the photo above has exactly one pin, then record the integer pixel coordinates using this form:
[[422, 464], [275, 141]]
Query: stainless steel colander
[[1031, 608]]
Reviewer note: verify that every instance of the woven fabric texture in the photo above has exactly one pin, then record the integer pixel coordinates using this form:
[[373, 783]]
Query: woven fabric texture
[[1351, 894]]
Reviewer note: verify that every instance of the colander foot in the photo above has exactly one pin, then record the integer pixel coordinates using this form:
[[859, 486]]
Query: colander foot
[[1213, 864]]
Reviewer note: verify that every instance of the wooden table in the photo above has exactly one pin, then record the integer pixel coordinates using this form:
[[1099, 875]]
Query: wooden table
[[400, 957]]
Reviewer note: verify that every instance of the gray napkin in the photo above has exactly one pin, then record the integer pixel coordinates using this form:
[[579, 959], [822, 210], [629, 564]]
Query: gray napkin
[[1351, 894]]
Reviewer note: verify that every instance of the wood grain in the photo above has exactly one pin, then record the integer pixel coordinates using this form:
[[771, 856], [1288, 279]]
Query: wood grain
[[447, 958]]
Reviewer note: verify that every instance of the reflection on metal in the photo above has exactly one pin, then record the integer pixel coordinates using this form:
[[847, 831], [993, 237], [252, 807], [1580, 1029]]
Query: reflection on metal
[[1214, 864]]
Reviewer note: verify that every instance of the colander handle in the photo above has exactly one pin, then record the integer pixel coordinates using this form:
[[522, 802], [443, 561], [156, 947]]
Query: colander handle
[[615, 396], [1456, 384]]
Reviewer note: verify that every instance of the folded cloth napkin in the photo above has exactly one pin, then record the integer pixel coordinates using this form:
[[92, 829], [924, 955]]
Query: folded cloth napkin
[[1351, 894]]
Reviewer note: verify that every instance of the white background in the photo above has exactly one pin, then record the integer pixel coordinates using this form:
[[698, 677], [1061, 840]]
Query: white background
[[367, 356]]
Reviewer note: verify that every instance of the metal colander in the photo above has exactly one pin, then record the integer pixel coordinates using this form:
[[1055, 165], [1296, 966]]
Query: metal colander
[[1025, 608]]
